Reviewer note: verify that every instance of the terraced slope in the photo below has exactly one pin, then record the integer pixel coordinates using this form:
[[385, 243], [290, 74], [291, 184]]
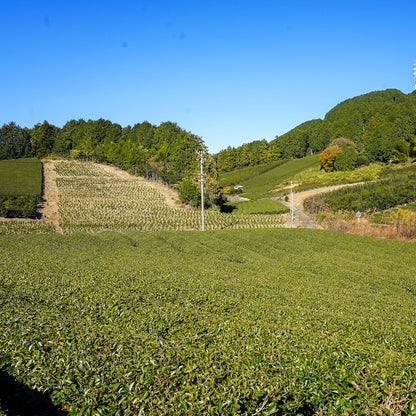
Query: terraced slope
[[96, 198]]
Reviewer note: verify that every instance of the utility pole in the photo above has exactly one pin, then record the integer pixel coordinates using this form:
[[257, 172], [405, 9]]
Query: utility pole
[[201, 158], [292, 207]]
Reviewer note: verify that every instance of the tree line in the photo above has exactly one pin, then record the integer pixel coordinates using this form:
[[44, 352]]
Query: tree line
[[165, 153], [248, 154]]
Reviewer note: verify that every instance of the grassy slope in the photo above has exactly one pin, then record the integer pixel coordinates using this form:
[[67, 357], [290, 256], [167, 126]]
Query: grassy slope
[[237, 176], [20, 188], [221, 322], [259, 185]]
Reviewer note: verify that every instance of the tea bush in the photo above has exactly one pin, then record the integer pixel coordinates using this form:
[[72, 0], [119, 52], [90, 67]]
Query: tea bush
[[230, 322], [20, 187], [373, 196]]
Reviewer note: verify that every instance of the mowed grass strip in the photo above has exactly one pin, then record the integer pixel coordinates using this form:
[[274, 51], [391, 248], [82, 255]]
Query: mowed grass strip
[[261, 206], [221, 322]]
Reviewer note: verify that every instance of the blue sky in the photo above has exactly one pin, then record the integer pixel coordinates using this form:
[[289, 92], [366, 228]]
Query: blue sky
[[230, 71]]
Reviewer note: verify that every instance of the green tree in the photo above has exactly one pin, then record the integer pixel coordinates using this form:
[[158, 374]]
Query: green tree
[[14, 142], [69, 137], [227, 159], [264, 152], [43, 137], [347, 159], [244, 156], [379, 139], [412, 145], [98, 136], [143, 134], [274, 150]]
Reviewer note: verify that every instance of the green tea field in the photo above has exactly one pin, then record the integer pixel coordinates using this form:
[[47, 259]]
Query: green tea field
[[228, 322], [20, 187], [19, 177], [259, 181]]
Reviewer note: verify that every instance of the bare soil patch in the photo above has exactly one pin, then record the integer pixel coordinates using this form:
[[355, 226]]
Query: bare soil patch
[[49, 209]]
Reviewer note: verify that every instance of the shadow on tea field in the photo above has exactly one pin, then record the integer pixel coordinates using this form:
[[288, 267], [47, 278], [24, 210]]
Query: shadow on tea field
[[17, 399]]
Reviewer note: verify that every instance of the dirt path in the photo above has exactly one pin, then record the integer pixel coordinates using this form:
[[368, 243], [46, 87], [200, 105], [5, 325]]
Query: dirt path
[[303, 219], [49, 210], [299, 197]]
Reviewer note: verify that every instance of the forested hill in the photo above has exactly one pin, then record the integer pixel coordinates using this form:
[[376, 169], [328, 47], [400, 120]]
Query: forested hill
[[381, 126], [165, 152]]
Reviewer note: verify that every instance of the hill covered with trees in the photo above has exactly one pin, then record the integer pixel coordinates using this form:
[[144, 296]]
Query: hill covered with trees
[[377, 127], [166, 152]]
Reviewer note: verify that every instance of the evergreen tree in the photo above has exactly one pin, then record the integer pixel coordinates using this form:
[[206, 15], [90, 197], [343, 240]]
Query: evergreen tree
[[14, 142]]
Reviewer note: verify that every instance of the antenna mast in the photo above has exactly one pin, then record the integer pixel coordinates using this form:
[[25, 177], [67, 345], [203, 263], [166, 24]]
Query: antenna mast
[[414, 73]]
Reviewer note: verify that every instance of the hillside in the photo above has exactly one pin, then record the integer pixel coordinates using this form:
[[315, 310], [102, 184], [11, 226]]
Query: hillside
[[376, 127], [260, 181], [164, 153], [381, 124]]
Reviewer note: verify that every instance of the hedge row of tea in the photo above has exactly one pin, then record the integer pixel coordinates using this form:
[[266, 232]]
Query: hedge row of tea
[[20, 187], [223, 322], [371, 196]]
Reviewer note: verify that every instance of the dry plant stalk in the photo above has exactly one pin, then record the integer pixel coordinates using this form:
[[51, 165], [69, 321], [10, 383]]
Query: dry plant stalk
[[401, 226]]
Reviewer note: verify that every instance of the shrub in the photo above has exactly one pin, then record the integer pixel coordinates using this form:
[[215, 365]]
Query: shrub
[[362, 160], [374, 196], [19, 206], [406, 223], [189, 193]]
